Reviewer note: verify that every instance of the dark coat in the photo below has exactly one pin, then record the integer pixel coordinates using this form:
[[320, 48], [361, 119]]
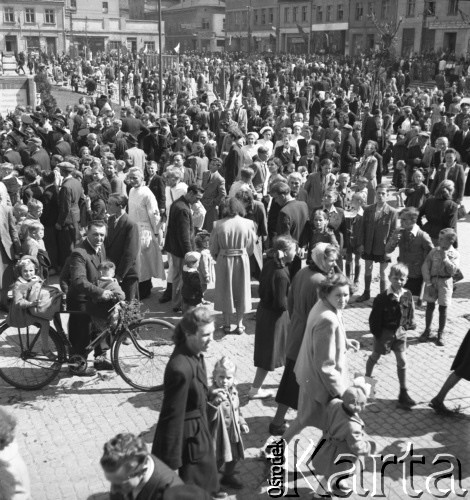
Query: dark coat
[[285, 157], [348, 154], [292, 219], [182, 438], [180, 233], [439, 214], [122, 246], [390, 314], [42, 159], [12, 156], [50, 202], [378, 232], [157, 186], [84, 262], [233, 164], [462, 145], [70, 194]]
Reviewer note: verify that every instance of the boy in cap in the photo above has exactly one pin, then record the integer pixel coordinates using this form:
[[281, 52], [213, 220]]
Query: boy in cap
[[192, 290]]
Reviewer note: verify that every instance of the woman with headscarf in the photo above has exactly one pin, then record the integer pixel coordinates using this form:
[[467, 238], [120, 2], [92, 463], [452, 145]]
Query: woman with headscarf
[[303, 294]]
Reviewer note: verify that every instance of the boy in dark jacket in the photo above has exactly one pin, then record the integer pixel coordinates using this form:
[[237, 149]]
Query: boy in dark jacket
[[391, 316]]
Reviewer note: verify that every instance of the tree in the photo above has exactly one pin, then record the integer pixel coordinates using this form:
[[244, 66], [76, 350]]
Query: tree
[[383, 57], [44, 87]]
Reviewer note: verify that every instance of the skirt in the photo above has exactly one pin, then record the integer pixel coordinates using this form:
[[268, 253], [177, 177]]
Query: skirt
[[288, 390], [461, 364], [270, 338]]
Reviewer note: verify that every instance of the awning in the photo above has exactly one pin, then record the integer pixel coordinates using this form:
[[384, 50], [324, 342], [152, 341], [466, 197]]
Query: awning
[[263, 34]]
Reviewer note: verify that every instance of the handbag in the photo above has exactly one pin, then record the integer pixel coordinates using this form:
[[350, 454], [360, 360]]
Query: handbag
[[49, 301], [458, 276]]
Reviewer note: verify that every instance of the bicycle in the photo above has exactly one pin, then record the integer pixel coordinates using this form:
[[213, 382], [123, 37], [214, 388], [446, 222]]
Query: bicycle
[[139, 352]]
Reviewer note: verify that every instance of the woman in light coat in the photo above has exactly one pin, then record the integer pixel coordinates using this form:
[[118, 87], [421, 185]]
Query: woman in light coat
[[368, 168], [321, 366], [232, 242], [143, 210]]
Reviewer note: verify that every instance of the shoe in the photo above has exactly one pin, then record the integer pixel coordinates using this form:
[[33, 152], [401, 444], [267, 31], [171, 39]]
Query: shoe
[[227, 329], [259, 393], [102, 363], [440, 339], [364, 297], [240, 330], [439, 407], [277, 430], [425, 336], [404, 400], [177, 310], [219, 495], [231, 482], [166, 296], [419, 303]]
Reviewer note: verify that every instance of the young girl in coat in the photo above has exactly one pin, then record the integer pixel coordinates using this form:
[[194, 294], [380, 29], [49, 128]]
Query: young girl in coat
[[226, 421], [343, 434], [320, 232], [28, 306]]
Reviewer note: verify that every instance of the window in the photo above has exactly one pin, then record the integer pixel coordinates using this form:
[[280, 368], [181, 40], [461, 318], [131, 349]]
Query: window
[[370, 8], [105, 7], [304, 13], [410, 8], [340, 12], [294, 14], [430, 8], [263, 16], [385, 9], [29, 16], [255, 17], [328, 14], [453, 8], [114, 45], [73, 4], [150, 46], [205, 24], [359, 11], [319, 14], [271, 15], [50, 16], [8, 15], [286, 14]]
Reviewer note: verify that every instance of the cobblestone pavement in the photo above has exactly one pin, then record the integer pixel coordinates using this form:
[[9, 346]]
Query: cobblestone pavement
[[62, 428]]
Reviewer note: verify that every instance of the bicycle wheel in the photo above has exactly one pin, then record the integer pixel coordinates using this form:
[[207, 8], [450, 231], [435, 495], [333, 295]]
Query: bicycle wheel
[[140, 354], [22, 364]]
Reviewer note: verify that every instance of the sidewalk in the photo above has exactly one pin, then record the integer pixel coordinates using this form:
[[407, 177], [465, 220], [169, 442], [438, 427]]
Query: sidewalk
[[62, 428]]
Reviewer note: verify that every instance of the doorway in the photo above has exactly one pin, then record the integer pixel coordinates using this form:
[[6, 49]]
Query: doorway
[[450, 40], [11, 44]]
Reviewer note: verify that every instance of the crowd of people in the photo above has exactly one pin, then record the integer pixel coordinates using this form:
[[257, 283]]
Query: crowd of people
[[299, 179]]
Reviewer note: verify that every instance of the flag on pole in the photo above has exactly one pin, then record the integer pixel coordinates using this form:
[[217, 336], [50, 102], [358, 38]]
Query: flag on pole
[[177, 49], [230, 40], [146, 49]]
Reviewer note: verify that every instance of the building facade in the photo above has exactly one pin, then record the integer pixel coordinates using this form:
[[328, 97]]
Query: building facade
[[32, 26], [79, 26], [195, 25]]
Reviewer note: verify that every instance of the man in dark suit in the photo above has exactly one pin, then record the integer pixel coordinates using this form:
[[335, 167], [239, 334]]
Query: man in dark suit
[[461, 142], [179, 237], [9, 154], [452, 171], [292, 218], [209, 149], [70, 194], [131, 124], [39, 155], [348, 151], [235, 160], [260, 168], [215, 114], [156, 184], [214, 192], [182, 439], [380, 222], [123, 246], [83, 272], [132, 470]]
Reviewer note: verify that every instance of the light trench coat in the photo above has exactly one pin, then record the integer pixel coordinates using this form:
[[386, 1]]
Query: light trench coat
[[321, 367], [232, 242]]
